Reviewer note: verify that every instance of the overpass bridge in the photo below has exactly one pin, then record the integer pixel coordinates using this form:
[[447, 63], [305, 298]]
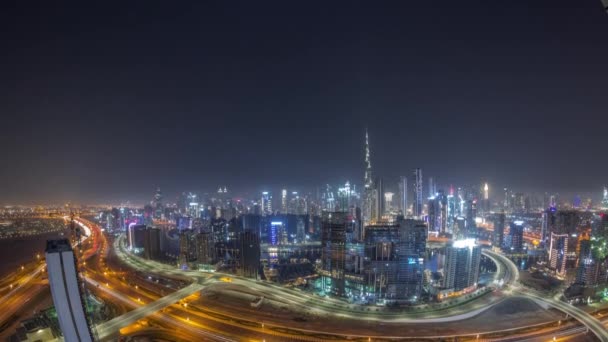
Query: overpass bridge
[[512, 278]]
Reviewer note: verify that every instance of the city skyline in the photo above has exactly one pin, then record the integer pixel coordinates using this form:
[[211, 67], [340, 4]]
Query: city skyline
[[199, 97]]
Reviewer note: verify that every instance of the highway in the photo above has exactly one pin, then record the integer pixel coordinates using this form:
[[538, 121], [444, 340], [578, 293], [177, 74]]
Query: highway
[[589, 321]]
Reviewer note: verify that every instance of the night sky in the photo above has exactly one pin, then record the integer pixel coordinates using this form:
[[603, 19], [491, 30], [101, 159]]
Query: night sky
[[106, 103]]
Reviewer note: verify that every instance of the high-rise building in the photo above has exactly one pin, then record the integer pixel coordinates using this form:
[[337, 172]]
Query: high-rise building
[[548, 224], [432, 189], [152, 243], [249, 254], [499, 231], [471, 212], [66, 291], [284, 201], [403, 195], [300, 232], [378, 209], [461, 269], [266, 203], [516, 237], [605, 198], [369, 191], [205, 252], [418, 204], [333, 257], [558, 253]]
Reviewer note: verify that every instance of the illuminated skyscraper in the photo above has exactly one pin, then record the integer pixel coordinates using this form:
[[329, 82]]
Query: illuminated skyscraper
[[605, 199], [498, 239], [266, 203], [516, 237], [369, 192], [486, 193], [403, 195], [558, 253], [418, 204], [66, 291], [378, 196], [432, 188], [461, 269], [284, 201]]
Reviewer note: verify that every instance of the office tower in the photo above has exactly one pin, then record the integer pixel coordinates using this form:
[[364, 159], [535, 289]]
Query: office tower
[[471, 214], [300, 232], [369, 191], [157, 204], [378, 209], [249, 254], [437, 213], [251, 222], [403, 195], [450, 213], [205, 252], [604, 204], [432, 189], [193, 206], [333, 258], [136, 236], [284, 201], [460, 230], [388, 201], [266, 203], [499, 231], [507, 200], [346, 197], [66, 291], [418, 205], [276, 231], [486, 193], [519, 205], [558, 253], [411, 253], [548, 224], [516, 237], [152, 243], [461, 269]]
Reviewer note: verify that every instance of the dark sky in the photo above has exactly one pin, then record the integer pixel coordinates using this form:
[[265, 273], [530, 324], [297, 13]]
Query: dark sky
[[108, 102]]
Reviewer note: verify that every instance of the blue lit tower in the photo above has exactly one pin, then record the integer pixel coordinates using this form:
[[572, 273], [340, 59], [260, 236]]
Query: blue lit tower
[[605, 199]]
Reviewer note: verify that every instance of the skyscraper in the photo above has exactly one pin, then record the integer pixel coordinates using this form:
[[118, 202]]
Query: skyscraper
[[558, 253], [333, 257], [461, 269], [266, 203], [403, 195], [418, 205], [498, 239], [66, 291], [369, 192], [378, 197], [284, 201], [605, 198], [516, 237]]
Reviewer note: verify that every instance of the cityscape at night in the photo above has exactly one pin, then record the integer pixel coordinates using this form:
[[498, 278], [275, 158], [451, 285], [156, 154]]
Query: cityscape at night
[[304, 171]]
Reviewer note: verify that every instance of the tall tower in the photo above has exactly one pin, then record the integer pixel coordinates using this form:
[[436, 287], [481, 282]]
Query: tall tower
[[417, 192], [284, 201], [368, 191], [403, 195], [486, 192], [605, 199]]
